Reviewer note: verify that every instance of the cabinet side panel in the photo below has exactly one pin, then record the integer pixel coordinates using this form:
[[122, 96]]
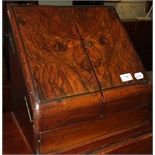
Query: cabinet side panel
[[19, 94]]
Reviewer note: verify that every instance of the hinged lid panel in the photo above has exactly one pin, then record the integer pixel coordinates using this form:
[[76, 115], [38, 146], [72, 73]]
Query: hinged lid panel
[[107, 44], [74, 51], [58, 63]]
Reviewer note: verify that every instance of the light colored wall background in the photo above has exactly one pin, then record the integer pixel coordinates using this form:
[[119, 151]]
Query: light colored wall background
[[127, 10], [56, 3]]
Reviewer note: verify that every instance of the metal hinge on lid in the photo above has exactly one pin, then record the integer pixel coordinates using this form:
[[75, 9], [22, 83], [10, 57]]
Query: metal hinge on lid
[[27, 107], [12, 45]]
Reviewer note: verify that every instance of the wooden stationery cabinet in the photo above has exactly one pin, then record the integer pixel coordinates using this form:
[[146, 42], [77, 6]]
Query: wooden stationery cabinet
[[78, 83]]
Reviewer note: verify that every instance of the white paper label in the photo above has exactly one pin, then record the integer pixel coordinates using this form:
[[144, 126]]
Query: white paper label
[[126, 77], [139, 75]]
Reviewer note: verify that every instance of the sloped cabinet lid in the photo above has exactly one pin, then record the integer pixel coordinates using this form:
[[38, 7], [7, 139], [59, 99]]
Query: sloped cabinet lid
[[58, 64], [109, 48], [73, 51]]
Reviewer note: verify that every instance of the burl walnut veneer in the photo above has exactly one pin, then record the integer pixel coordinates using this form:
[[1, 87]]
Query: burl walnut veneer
[[66, 64]]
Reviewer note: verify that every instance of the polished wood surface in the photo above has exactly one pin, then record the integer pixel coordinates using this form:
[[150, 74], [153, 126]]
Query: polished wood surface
[[143, 145], [121, 141], [13, 142], [58, 70], [58, 113], [115, 100], [19, 94], [78, 135], [126, 141], [70, 111], [108, 46], [70, 77]]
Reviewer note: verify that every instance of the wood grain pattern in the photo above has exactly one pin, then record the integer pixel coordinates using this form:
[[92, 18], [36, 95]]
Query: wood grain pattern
[[70, 62], [70, 54], [118, 138], [58, 64], [70, 111], [74, 136], [79, 108], [136, 145], [12, 140], [60, 110], [115, 142], [108, 46]]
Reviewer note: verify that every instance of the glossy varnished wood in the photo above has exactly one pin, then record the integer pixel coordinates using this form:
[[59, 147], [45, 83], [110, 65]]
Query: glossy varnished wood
[[29, 74], [70, 111], [108, 46], [78, 135], [135, 145], [125, 141], [57, 61], [118, 139], [19, 93], [69, 62], [13, 142], [57, 69]]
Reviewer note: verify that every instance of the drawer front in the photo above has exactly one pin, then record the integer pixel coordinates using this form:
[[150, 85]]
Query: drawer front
[[78, 135], [125, 103], [71, 111], [138, 145], [83, 108]]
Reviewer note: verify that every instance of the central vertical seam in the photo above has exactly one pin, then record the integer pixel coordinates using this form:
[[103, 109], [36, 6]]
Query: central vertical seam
[[93, 69]]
